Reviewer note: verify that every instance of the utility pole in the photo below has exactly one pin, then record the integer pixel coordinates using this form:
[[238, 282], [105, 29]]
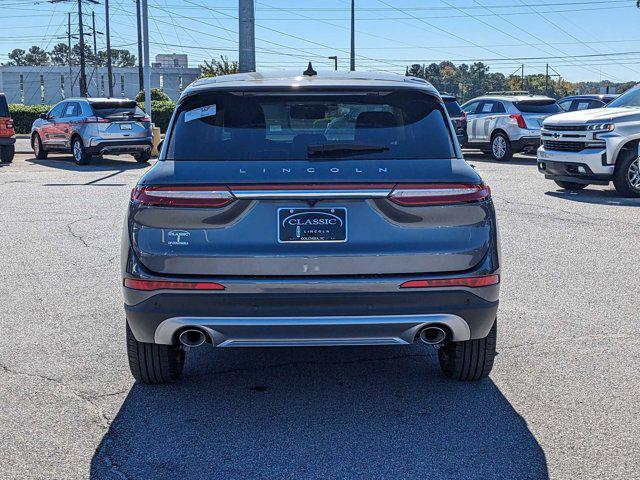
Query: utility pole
[[352, 64], [95, 52], [546, 81], [147, 67], [140, 59], [69, 55], [247, 36], [83, 75], [522, 78], [335, 61], [108, 33]]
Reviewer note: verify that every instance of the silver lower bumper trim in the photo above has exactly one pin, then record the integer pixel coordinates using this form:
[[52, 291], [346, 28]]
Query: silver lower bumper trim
[[311, 331]]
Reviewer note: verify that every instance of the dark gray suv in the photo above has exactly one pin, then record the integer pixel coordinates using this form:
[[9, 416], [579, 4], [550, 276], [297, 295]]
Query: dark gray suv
[[256, 230]]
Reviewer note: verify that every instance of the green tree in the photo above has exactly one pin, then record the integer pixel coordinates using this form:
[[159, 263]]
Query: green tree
[[219, 67], [16, 57], [59, 54], [36, 56]]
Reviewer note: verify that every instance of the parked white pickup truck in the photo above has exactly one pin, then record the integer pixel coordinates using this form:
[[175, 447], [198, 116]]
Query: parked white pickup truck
[[594, 146]]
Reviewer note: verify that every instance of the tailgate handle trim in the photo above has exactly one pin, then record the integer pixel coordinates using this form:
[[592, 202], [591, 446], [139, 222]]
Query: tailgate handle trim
[[320, 193]]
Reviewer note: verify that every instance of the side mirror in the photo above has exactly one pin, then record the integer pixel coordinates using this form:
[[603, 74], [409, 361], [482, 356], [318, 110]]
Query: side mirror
[[44, 116]]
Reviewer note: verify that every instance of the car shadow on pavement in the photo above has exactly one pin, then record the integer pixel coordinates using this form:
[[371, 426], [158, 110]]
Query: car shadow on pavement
[[96, 165], [362, 412], [595, 197], [526, 161]]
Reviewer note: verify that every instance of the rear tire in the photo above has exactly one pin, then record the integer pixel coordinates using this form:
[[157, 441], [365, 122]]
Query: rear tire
[[626, 177], [38, 149], [143, 157], [152, 363], [80, 154], [571, 185], [7, 153], [501, 150], [471, 359]]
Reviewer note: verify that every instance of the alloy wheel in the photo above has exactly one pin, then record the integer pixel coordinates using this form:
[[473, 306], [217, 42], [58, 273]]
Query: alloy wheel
[[77, 151], [633, 174], [36, 146], [499, 146]]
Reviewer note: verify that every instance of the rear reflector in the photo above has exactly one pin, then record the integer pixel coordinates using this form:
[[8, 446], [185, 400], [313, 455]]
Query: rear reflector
[[149, 285], [453, 282], [182, 196], [444, 194]]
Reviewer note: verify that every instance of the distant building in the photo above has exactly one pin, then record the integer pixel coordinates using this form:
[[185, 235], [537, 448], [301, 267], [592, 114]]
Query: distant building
[[171, 60], [32, 85]]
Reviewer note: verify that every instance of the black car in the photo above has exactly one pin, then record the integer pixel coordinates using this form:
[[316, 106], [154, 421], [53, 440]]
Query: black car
[[458, 117], [585, 102], [254, 229]]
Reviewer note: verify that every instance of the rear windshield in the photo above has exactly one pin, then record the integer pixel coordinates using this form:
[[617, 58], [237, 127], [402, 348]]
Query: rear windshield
[[538, 106], [4, 109], [117, 109], [281, 126], [453, 107]]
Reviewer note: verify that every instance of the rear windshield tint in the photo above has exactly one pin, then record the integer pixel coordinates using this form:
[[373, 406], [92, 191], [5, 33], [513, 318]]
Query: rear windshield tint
[[281, 126], [116, 109], [453, 107], [4, 108], [538, 106]]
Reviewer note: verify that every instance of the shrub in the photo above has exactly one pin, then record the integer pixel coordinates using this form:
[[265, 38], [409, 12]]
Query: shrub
[[156, 95], [161, 112], [24, 115]]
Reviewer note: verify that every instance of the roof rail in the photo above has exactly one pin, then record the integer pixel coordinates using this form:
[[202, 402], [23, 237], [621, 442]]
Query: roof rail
[[510, 92]]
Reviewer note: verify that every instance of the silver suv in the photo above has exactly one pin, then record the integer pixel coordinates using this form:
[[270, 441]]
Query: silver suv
[[506, 124], [88, 127]]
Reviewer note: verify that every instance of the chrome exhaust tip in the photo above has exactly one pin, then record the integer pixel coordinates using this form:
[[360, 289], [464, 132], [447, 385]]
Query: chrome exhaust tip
[[192, 337], [432, 335]]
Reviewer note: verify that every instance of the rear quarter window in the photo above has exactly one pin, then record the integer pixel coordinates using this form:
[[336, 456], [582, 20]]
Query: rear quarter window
[[538, 106], [453, 107], [4, 108]]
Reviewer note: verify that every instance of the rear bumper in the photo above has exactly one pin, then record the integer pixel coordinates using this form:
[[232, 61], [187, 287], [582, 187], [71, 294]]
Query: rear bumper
[[6, 141], [525, 143], [97, 147], [314, 317]]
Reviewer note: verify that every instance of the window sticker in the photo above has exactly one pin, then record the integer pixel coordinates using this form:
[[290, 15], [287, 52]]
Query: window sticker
[[69, 110], [487, 107], [200, 112]]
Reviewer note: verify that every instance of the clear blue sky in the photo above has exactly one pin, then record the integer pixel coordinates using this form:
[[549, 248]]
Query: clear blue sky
[[390, 34]]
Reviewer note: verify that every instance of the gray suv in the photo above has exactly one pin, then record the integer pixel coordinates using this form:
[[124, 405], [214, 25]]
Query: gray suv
[[88, 127], [256, 230], [504, 124]]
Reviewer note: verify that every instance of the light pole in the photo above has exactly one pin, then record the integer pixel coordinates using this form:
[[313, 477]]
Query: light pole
[[352, 65], [147, 70], [335, 61]]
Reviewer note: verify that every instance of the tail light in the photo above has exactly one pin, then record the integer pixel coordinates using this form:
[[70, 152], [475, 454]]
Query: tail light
[[149, 285], [482, 281], [444, 194], [146, 118], [182, 196], [519, 119], [96, 120]]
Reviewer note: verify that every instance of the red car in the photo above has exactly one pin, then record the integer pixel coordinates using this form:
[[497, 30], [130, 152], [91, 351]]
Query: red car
[[7, 134]]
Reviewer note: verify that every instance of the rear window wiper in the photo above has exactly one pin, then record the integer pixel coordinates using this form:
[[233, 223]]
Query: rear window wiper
[[342, 149]]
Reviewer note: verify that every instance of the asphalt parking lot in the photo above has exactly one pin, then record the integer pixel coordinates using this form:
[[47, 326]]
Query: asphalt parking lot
[[562, 401]]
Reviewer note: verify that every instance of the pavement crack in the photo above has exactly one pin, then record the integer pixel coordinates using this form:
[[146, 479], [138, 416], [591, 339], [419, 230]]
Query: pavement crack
[[80, 237], [103, 421]]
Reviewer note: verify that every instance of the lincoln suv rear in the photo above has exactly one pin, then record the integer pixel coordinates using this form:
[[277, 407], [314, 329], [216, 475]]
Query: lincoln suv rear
[[255, 229]]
